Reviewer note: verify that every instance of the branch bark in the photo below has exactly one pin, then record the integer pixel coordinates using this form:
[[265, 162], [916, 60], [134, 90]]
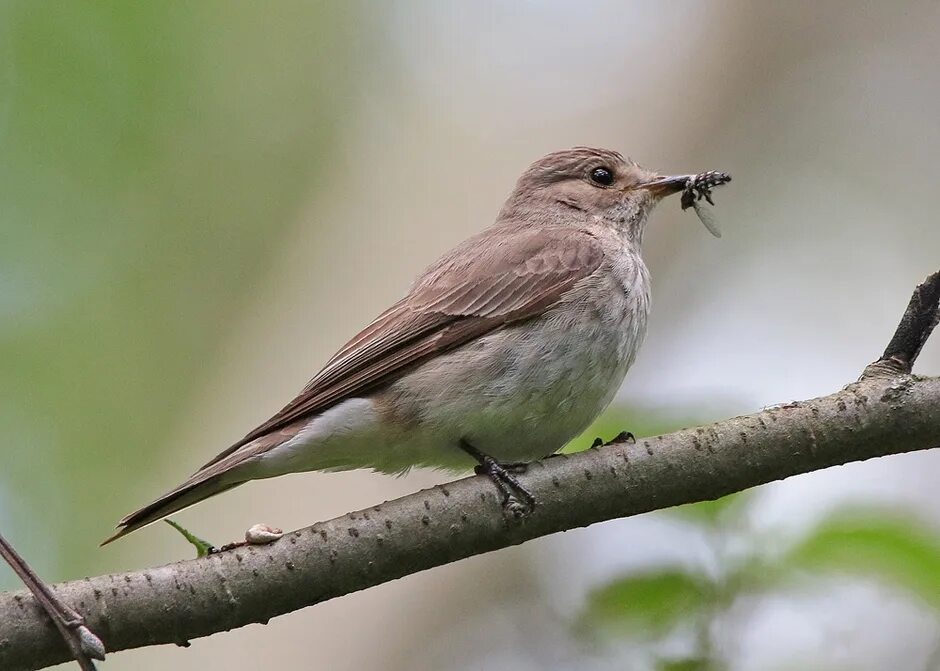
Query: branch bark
[[882, 414], [917, 323]]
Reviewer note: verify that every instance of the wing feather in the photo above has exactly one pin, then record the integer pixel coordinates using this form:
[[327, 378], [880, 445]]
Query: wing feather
[[483, 284]]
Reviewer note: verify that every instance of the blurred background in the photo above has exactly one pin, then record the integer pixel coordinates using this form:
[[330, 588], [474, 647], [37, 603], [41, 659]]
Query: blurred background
[[200, 202]]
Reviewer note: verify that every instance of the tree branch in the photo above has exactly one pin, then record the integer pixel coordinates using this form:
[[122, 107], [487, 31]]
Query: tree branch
[[81, 641], [881, 414], [917, 323]]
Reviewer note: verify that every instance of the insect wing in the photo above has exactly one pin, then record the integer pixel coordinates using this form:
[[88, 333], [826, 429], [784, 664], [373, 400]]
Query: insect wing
[[707, 217]]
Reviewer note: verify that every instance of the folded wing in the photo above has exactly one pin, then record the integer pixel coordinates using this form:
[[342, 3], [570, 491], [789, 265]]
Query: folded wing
[[482, 285]]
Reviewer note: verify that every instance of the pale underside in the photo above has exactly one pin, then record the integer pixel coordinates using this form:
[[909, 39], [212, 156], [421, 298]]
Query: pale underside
[[517, 392]]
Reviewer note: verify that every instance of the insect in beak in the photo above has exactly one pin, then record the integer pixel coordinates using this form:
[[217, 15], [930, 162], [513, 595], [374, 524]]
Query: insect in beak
[[695, 189], [699, 187]]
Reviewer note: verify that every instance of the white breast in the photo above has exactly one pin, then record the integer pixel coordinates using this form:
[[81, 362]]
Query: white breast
[[523, 392]]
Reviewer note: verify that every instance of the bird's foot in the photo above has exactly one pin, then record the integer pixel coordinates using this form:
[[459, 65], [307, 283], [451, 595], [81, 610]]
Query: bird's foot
[[515, 467], [620, 438], [516, 499]]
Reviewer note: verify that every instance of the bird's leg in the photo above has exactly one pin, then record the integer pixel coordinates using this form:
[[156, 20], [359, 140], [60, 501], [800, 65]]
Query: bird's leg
[[502, 476]]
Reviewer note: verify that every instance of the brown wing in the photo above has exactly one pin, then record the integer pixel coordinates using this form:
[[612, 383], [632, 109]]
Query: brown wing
[[481, 285]]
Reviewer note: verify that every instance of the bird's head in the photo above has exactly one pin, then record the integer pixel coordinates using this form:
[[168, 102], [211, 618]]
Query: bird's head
[[586, 183]]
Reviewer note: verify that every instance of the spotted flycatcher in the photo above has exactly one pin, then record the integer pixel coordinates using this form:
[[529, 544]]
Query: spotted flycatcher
[[501, 352]]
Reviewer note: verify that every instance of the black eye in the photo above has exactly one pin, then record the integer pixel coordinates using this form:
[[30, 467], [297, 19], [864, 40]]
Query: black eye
[[602, 176]]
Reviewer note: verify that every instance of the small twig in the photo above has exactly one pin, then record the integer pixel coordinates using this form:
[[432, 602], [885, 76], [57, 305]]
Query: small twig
[[81, 640], [917, 323]]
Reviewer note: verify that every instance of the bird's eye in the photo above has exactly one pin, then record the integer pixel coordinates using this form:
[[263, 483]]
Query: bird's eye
[[602, 176]]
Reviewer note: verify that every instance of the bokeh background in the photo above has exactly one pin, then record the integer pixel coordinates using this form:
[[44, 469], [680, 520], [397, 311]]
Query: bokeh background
[[200, 201]]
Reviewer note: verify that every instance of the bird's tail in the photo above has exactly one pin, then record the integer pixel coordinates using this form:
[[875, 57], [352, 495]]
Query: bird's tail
[[190, 492], [227, 470]]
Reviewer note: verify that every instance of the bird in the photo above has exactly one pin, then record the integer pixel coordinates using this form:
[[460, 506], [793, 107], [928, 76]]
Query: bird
[[502, 351]]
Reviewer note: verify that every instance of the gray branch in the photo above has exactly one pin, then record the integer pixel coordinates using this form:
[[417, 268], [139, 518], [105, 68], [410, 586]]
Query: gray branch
[[882, 414], [81, 641]]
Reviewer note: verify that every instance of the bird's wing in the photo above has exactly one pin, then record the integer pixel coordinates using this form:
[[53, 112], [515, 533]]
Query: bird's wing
[[481, 285]]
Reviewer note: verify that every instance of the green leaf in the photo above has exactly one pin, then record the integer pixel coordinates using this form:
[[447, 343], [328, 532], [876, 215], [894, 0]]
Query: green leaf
[[891, 549], [202, 547], [650, 603], [713, 513]]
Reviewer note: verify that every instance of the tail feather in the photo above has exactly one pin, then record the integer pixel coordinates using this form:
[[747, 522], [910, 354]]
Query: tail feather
[[222, 473], [189, 493]]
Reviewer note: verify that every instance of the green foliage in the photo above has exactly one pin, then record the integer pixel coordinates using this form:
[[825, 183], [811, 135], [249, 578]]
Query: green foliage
[[713, 513], [894, 550], [203, 547], [152, 158], [648, 603]]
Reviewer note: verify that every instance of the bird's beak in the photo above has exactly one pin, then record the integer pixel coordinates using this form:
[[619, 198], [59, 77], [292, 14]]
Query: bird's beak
[[665, 186]]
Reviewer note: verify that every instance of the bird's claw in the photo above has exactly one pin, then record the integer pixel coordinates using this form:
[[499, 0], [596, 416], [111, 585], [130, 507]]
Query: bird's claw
[[517, 500], [619, 439]]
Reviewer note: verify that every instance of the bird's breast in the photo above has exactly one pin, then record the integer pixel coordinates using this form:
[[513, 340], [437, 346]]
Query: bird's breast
[[524, 390]]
